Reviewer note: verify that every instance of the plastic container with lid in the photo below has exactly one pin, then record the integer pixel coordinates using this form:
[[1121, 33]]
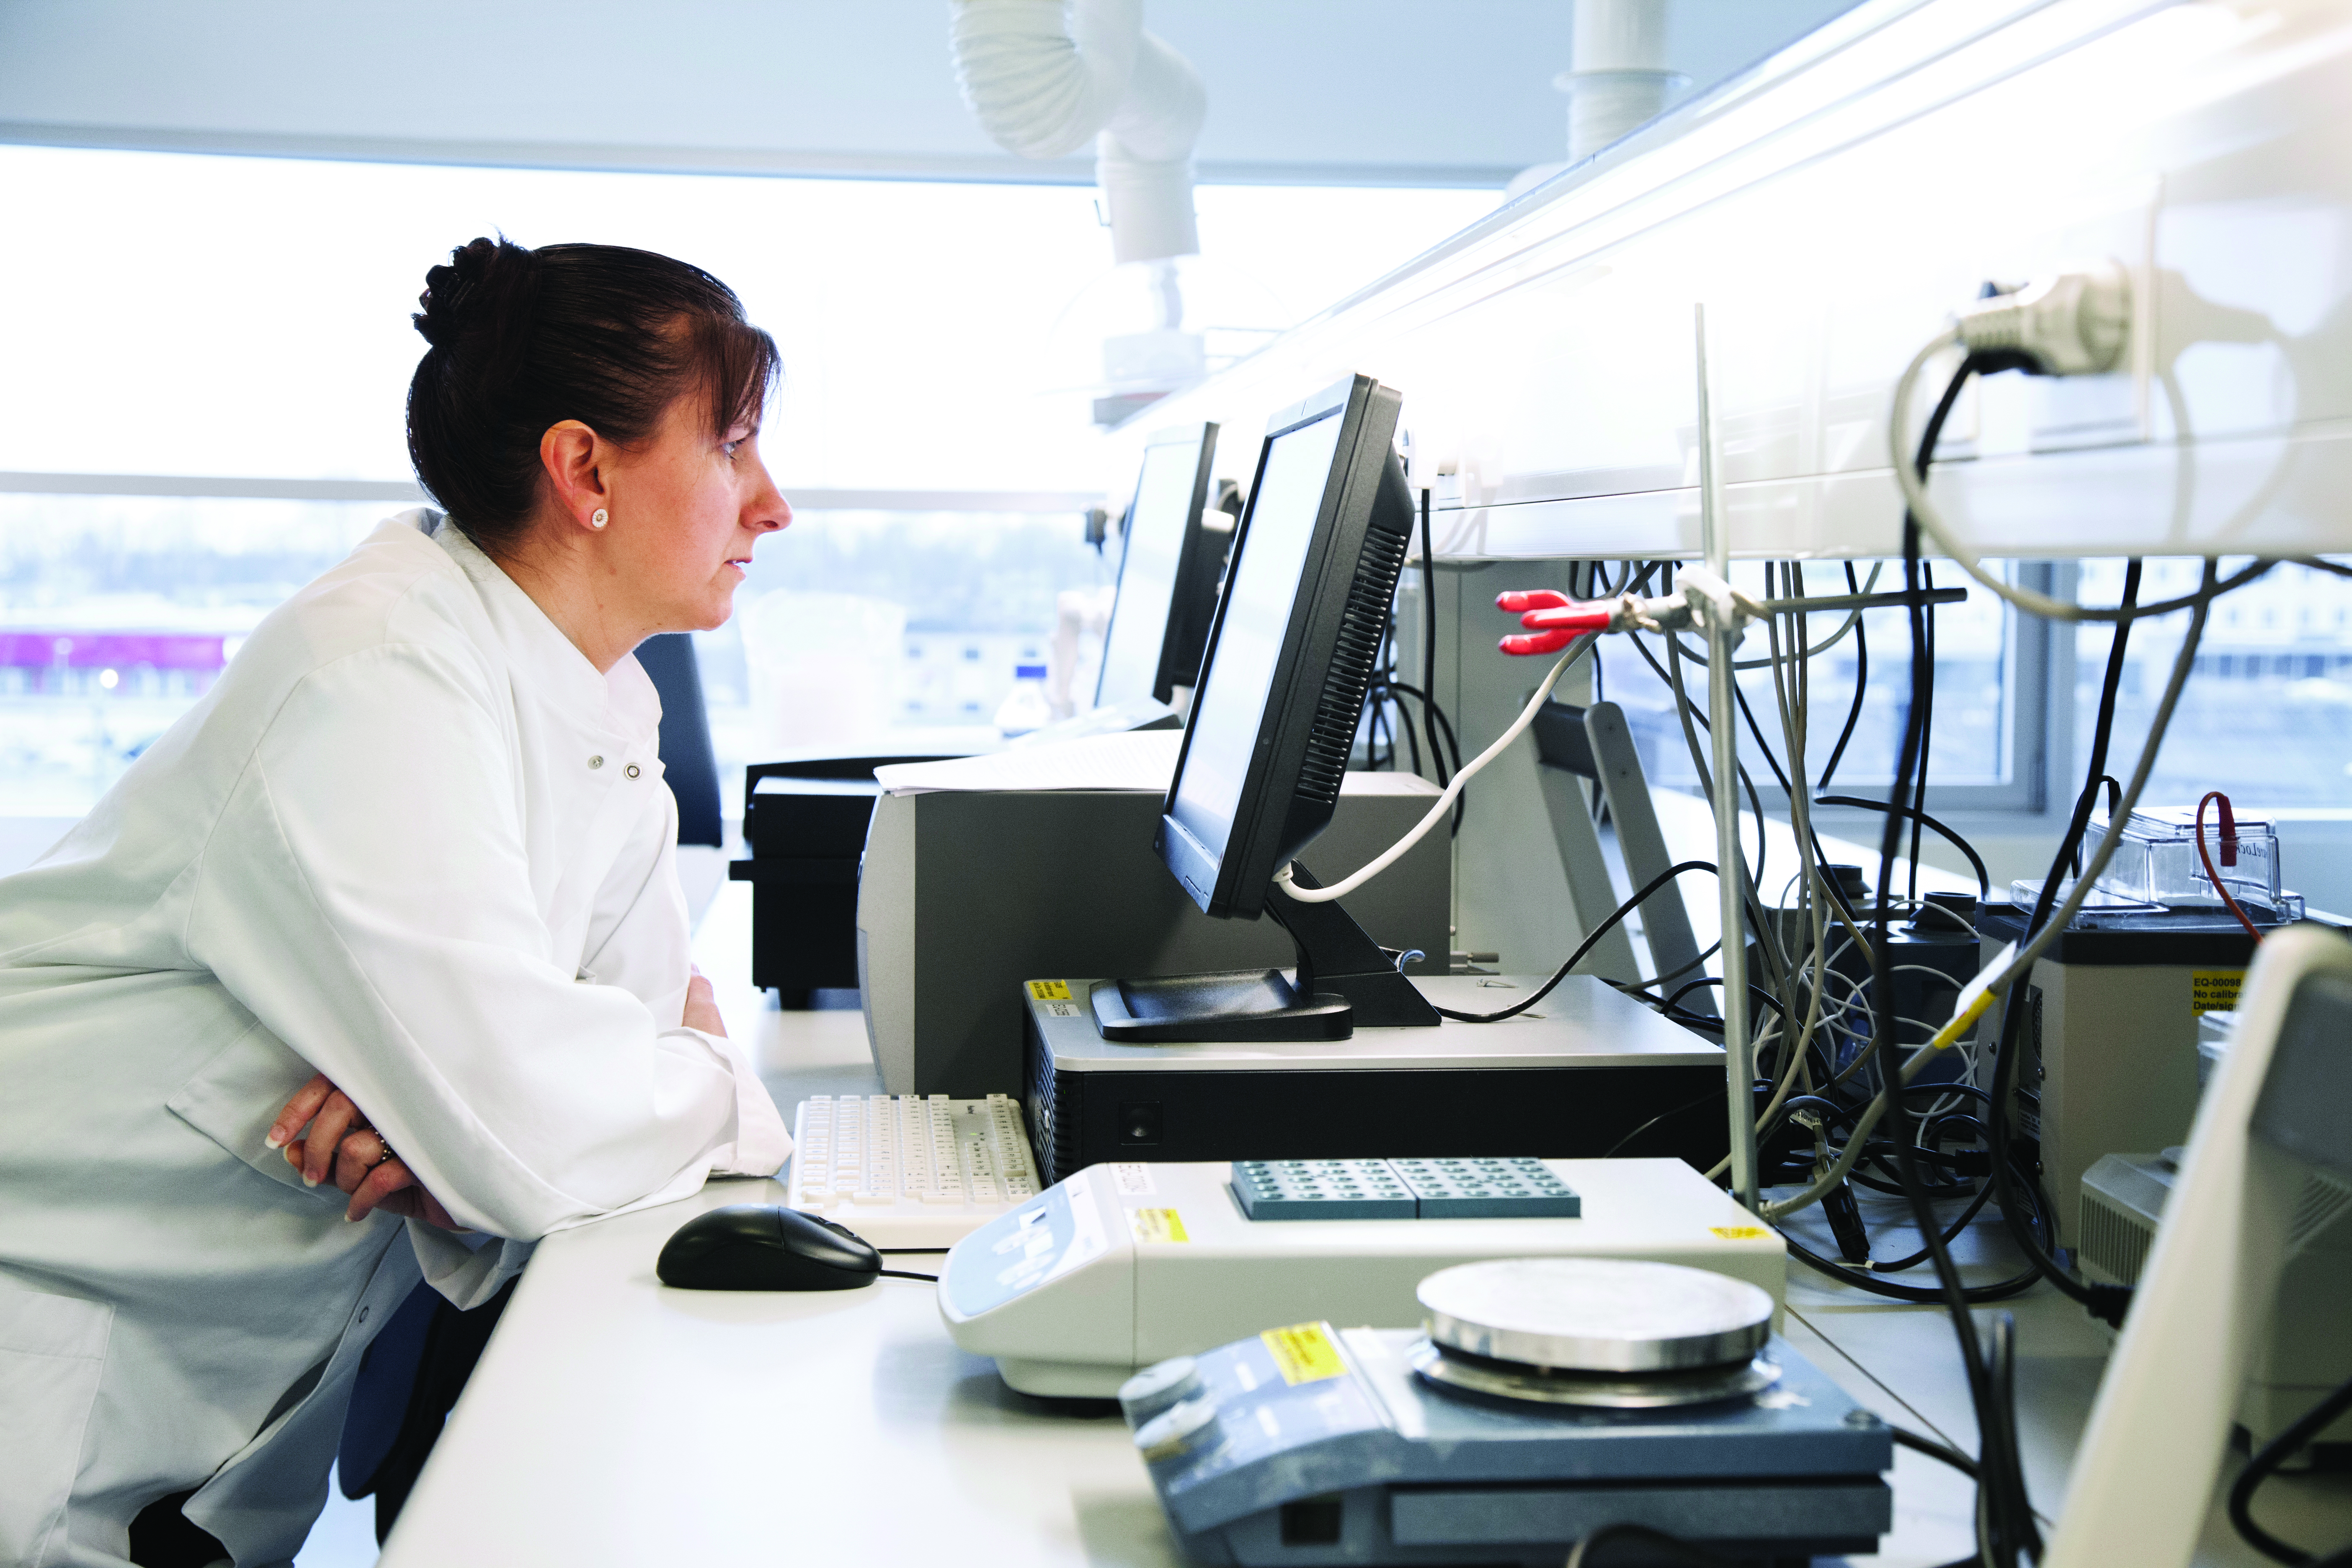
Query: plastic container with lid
[[2157, 862]]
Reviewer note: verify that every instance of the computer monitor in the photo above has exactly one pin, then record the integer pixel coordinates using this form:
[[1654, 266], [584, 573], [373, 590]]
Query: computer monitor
[[1167, 574], [1281, 696]]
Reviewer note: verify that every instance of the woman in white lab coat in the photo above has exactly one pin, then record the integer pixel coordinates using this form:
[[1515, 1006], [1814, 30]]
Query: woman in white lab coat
[[414, 845]]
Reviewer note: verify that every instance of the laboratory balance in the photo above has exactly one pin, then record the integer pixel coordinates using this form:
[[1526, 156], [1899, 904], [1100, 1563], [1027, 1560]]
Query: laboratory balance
[[1542, 1399]]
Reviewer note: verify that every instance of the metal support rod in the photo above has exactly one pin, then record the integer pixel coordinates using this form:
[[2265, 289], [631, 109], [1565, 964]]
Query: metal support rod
[[1730, 858], [1894, 601]]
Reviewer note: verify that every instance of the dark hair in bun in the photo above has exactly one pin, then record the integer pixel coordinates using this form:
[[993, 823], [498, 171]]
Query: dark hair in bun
[[526, 339]]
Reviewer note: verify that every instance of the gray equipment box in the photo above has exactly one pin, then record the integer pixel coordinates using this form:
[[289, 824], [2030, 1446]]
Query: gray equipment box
[[964, 895], [1586, 1073], [1342, 1455]]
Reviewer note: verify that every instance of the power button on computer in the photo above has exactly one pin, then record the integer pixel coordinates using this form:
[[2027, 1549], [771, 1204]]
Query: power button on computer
[[1138, 1121]]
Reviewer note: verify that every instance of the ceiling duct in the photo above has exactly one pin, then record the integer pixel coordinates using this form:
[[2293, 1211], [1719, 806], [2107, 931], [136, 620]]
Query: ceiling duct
[[1044, 76], [1047, 76], [1619, 83]]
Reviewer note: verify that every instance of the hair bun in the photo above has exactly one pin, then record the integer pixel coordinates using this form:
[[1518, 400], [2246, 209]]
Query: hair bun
[[483, 279]]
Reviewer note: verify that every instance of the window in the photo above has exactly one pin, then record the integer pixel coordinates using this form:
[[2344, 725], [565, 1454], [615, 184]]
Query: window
[[2266, 717], [223, 328]]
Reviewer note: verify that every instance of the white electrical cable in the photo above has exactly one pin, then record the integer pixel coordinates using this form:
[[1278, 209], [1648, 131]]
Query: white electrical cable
[[1395, 852]]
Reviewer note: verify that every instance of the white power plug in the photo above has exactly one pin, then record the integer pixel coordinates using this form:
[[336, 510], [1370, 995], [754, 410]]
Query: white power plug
[[2074, 322]]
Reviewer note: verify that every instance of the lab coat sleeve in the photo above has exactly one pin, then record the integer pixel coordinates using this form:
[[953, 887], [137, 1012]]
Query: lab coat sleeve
[[367, 894], [642, 940]]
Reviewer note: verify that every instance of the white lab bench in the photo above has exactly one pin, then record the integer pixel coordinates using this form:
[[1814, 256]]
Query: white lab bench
[[616, 1421]]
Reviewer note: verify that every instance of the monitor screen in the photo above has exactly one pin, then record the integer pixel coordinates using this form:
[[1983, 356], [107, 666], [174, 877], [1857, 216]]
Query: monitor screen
[[1166, 499], [1228, 711]]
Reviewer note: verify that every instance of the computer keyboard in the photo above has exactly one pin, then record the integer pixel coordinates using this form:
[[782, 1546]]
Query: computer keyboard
[[909, 1170]]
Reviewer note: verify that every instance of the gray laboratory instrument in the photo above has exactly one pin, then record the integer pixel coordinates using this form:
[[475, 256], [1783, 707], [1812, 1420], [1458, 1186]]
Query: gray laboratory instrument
[[1124, 1264], [2108, 1046], [1586, 1071], [1542, 1400]]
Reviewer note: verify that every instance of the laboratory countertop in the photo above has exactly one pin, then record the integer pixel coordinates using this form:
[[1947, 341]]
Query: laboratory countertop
[[616, 1421]]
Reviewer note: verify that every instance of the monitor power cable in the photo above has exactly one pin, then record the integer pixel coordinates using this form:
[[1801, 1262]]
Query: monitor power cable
[[1591, 938]]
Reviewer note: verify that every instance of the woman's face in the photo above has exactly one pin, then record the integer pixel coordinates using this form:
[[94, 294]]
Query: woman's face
[[687, 507]]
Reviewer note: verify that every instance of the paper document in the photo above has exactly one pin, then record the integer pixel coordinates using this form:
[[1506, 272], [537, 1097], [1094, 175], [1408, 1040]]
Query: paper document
[[1138, 759]]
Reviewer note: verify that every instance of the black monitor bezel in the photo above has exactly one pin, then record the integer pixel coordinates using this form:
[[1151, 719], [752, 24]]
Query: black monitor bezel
[[1232, 885], [1175, 631]]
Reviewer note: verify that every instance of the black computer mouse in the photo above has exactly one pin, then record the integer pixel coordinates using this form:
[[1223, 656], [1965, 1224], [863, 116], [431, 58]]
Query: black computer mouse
[[760, 1246]]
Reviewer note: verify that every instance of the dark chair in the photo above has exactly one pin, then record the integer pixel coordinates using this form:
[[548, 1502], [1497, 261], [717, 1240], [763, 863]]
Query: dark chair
[[688, 760], [419, 1363]]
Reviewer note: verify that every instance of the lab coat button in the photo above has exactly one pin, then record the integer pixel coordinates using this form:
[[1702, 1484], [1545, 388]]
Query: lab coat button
[[631, 770], [595, 761], [364, 1312]]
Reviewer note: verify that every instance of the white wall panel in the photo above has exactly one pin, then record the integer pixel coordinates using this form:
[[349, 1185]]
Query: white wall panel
[[1830, 211]]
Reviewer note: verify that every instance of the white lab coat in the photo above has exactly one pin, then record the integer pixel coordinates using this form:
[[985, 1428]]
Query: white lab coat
[[411, 839]]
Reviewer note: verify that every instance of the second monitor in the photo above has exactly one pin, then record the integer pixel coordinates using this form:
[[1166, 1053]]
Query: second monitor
[[1168, 573], [1281, 696]]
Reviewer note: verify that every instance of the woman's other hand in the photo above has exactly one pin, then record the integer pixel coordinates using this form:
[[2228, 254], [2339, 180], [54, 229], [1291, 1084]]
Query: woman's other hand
[[328, 1113], [701, 1008], [340, 1143], [366, 1168]]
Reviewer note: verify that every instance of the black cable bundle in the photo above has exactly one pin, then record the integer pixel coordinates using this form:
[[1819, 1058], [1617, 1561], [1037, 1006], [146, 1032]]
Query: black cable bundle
[[2105, 1302], [2005, 1520]]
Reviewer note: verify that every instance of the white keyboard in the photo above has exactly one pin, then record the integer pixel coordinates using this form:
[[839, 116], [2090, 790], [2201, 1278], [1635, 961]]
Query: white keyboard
[[909, 1170]]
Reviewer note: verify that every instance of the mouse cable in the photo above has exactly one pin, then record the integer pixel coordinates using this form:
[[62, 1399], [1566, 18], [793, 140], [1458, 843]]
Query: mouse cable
[[902, 1274], [897, 1251]]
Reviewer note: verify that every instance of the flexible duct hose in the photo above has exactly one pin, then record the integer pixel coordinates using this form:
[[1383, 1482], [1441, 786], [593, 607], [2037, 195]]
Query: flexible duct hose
[[1045, 75]]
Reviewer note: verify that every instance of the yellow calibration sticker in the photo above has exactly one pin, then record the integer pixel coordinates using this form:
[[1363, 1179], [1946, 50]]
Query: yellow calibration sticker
[[1157, 1224], [2214, 990], [1738, 1232], [1048, 990], [1303, 1353]]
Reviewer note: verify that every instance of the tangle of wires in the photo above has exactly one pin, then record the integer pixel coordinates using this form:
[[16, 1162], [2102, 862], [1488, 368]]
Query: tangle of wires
[[1840, 1015]]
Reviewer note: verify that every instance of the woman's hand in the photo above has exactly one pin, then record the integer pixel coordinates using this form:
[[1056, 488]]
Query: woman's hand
[[701, 1008], [328, 1112], [340, 1143]]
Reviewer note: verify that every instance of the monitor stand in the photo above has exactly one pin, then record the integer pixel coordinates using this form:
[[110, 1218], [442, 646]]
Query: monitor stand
[[1345, 978]]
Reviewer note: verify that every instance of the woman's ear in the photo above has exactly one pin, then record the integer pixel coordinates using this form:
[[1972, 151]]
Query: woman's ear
[[573, 458]]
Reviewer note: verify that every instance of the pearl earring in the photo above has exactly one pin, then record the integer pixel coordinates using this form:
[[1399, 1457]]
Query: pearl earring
[[599, 518]]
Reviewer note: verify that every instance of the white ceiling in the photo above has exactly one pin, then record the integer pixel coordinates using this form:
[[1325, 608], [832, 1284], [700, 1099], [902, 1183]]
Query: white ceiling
[[1339, 91]]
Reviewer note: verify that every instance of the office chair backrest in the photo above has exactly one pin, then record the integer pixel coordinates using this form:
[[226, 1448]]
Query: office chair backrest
[[688, 763], [2269, 1167]]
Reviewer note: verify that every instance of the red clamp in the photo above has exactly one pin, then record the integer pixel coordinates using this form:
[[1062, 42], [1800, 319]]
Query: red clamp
[[1552, 620]]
